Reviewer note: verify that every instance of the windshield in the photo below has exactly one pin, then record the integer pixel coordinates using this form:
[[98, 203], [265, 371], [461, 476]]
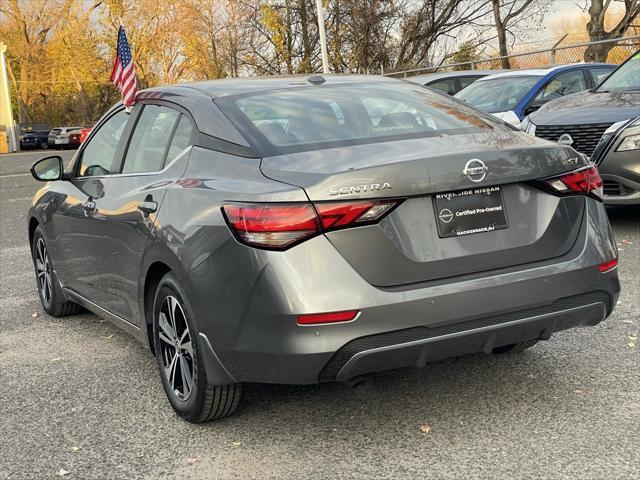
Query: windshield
[[308, 118], [500, 94], [625, 78]]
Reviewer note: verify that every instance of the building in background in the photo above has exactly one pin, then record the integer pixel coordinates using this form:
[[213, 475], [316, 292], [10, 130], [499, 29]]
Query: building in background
[[8, 140]]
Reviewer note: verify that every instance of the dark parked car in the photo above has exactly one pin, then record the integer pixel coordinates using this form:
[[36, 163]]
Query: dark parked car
[[512, 95], [451, 82], [604, 124], [302, 230], [31, 140]]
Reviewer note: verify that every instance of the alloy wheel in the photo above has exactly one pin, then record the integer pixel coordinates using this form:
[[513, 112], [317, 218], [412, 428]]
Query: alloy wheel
[[43, 271], [176, 349]]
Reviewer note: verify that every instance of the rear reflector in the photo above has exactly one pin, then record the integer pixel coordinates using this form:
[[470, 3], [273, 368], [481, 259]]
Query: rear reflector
[[585, 180], [332, 317], [280, 226], [608, 266]]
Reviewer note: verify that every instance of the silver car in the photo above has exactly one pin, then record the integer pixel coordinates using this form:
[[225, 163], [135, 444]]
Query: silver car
[[59, 137], [301, 230]]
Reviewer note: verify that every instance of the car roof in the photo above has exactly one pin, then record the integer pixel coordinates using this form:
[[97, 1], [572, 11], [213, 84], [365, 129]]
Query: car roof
[[542, 72], [236, 86], [429, 77]]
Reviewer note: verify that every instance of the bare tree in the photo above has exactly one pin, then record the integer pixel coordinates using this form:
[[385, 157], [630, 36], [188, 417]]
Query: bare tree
[[427, 22], [596, 27], [508, 14]]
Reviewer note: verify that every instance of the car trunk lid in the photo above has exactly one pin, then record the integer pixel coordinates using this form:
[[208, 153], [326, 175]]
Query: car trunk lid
[[410, 244]]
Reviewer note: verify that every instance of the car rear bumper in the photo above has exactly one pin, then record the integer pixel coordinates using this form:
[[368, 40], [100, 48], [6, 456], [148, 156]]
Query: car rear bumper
[[420, 345], [250, 316]]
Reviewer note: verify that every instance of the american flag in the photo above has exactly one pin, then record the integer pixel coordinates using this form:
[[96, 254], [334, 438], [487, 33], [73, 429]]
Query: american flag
[[123, 74]]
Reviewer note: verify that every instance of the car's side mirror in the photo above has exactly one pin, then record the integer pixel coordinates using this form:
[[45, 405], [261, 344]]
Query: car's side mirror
[[48, 169]]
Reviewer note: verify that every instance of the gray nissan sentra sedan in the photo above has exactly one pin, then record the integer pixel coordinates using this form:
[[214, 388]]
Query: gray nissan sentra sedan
[[303, 230]]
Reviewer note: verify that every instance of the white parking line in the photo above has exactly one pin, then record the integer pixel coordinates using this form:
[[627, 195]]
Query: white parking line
[[16, 175]]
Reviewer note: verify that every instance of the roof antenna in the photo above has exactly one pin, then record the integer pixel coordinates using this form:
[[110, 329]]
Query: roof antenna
[[316, 79]]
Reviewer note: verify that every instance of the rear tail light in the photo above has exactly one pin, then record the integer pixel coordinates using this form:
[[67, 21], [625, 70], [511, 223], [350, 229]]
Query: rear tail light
[[585, 181], [272, 225], [332, 317], [280, 226]]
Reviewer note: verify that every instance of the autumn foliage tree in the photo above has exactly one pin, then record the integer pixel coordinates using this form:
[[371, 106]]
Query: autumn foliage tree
[[61, 51]]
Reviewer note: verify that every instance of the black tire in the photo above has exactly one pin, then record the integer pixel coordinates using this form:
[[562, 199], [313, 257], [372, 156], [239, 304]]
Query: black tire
[[515, 347], [51, 296], [198, 402]]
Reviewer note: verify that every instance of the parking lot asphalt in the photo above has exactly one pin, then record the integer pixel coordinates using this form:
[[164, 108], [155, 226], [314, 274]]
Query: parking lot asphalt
[[81, 396]]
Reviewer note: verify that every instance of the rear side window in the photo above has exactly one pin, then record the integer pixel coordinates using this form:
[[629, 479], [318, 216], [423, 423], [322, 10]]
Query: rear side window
[[446, 86], [181, 139], [599, 74], [307, 118], [146, 152], [466, 81]]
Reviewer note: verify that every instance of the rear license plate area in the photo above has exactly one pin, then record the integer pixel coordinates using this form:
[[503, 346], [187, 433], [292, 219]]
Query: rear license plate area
[[465, 212]]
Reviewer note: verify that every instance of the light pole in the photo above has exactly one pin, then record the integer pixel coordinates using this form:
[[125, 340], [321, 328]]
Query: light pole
[[6, 112], [323, 36]]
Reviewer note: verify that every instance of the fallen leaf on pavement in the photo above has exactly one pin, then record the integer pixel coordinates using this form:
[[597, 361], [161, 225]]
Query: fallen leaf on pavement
[[235, 444], [109, 337], [34, 314], [62, 472], [57, 359], [425, 428], [627, 321], [577, 391], [75, 449], [191, 460]]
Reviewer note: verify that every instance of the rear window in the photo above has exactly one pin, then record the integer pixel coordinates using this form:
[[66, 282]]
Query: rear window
[[307, 118]]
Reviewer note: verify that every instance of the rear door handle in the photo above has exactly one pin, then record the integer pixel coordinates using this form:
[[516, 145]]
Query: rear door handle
[[148, 206], [89, 205]]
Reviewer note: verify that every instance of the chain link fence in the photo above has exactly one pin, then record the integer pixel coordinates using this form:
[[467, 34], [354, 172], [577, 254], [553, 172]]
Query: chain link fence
[[556, 55]]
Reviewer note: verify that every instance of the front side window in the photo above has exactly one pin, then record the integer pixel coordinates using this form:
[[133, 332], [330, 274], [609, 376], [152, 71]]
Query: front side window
[[500, 94], [148, 145], [308, 118], [99, 152], [561, 85]]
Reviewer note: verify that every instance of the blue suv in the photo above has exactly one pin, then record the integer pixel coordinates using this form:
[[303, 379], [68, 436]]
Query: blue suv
[[514, 94]]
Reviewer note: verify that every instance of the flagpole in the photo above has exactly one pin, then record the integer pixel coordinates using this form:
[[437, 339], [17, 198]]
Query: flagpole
[[323, 36]]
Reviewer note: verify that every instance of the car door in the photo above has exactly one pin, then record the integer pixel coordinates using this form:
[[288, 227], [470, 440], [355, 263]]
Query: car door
[[72, 228], [125, 214]]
